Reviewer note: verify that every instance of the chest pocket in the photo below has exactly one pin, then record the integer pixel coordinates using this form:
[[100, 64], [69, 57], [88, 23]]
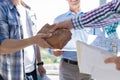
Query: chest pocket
[[14, 29]]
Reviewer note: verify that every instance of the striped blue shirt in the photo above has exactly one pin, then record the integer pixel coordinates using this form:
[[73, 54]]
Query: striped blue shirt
[[100, 17]]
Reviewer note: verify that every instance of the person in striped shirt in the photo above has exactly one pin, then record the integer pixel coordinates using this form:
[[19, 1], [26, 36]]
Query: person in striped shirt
[[102, 16]]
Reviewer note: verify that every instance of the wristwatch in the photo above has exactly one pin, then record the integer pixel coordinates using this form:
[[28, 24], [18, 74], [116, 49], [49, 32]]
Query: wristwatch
[[40, 63]]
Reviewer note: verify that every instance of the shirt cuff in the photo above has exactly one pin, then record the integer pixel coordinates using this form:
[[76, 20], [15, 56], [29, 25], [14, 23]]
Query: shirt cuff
[[76, 22]]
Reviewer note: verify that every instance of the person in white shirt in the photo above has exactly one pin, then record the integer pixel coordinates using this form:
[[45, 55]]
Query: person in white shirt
[[32, 55], [68, 64]]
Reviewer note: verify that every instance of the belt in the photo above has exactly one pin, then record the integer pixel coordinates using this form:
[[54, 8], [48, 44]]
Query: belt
[[70, 61]]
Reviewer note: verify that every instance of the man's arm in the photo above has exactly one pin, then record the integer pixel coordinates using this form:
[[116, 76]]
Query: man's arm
[[12, 45], [8, 45], [41, 69], [99, 17]]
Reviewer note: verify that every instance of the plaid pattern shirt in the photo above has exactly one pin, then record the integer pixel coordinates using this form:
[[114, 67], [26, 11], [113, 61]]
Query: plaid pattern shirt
[[103, 16], [111, 30], [11, 65]]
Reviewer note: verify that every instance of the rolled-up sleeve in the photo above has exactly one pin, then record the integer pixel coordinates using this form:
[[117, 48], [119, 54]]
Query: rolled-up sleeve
[[4, 29], [99, 17]]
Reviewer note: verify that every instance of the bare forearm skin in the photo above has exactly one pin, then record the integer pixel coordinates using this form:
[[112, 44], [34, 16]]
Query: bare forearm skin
[[38, 55], [12, 45]]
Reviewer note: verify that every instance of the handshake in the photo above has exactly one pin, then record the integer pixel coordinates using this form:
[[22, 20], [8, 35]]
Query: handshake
[[59, 38]]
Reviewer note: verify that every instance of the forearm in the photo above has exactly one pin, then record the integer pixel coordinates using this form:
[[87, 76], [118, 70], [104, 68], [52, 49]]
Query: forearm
[[102, 16], [41, 69], [38, 54], [12, 45]]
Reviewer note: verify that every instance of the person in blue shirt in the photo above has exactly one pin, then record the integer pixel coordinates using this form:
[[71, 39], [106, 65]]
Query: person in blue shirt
[[69, 69], [101, 18]]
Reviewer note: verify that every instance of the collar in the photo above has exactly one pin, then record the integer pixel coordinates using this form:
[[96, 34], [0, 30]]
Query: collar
[[72, 13], [10, 4]]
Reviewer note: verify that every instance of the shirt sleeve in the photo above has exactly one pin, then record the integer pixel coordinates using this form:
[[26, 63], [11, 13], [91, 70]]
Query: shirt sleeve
[[102, 16], [4, 29]]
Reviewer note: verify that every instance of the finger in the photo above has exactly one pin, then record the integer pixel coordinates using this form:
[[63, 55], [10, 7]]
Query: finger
[[53, 28], [110, 60], [43, 35], [48, 45], [44, 44], [118, 66], [118, 58]]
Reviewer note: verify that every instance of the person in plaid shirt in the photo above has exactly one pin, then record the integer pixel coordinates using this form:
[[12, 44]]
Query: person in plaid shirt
[[12, 41], [102, 16]]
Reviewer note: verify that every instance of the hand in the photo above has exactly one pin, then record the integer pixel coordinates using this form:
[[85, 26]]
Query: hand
[[41, 70], [40, 40], [46, 28], [56, 52], [64, 24], [115, 60]]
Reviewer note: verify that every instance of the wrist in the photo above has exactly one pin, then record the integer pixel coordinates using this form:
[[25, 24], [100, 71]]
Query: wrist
[[36, 40], [40, 63]]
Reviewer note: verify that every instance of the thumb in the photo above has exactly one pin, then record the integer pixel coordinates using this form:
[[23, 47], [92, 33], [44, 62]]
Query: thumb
[[45, 35], [54, 27]]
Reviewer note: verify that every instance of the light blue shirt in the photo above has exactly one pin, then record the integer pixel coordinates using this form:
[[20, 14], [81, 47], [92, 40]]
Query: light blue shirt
[[76, 35]]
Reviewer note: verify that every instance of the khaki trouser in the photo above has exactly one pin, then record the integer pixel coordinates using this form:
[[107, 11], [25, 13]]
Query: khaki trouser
[[71, 72]]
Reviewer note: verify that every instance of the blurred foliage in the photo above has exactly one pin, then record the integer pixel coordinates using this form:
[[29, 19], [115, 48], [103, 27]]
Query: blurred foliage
[[47, 57]]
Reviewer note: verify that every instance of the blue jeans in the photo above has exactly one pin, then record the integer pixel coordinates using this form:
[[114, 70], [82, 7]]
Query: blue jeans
[[32, 75]]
